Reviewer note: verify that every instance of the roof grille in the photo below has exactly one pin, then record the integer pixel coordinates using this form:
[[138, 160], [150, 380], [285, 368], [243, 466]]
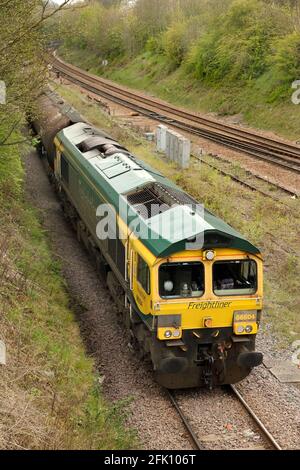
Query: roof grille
[[156, 199], [181, 197]]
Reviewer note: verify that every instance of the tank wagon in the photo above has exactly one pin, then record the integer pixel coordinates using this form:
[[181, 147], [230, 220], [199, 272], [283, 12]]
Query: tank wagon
[[189, 287], [54, 115]]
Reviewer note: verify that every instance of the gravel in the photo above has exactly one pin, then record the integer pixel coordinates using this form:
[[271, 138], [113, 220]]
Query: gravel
[[277, 404], [220, 421]]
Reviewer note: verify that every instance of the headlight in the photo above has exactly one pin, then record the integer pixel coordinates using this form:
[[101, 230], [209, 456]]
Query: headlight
[[210, 255], [208, 322], [176, 334], [168, 332], [245, 322]]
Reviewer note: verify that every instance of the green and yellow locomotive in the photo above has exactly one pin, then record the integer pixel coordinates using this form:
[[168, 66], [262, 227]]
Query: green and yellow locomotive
[[190, 288]]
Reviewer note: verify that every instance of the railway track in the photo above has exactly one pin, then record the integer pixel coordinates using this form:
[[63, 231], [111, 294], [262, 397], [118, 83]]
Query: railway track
[[185, 421], [251, 186], [276, 152], [258, 422], [283, 189], [193, 433]]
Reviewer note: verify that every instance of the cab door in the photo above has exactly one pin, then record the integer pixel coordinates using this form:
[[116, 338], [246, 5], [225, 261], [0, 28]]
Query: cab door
[[141, 283]]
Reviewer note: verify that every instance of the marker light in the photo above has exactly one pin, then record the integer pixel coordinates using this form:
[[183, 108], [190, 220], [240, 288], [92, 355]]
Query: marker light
[[176, 334], [208, 323], [210, 255], [168, 334]]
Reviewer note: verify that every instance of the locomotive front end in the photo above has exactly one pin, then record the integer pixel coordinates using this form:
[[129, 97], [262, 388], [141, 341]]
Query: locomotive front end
[[207, 310]]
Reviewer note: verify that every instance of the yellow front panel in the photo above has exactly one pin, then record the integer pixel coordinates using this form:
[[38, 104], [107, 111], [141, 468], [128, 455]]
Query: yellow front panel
[[194, 314]]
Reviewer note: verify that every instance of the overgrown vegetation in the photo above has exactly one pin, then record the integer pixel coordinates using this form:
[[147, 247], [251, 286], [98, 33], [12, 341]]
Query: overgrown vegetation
[[49, 391], [226, 56], [23, 64], [50, 394]]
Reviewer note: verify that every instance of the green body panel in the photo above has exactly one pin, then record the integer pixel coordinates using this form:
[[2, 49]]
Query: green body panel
[[95, 180]]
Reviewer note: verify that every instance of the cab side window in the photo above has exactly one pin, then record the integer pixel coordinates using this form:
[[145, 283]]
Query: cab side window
[[143, 274]]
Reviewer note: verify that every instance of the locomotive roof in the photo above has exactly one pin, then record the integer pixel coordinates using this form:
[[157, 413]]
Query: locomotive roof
[[119, 173]]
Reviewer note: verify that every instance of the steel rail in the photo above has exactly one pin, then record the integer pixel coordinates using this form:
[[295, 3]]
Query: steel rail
[[240, 398], [279, 161], [261, 426], [250, 186], [257, 139], [287, 162], [284, 147], [279, 186], [185, 421]]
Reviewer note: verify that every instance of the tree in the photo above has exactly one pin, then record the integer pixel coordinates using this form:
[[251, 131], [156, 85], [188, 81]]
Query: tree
[[23, 67], [110, 3]]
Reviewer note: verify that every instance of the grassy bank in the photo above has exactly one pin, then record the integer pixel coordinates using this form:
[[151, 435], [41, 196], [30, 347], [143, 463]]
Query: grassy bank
[[49, 391], [252, 103], [264, 222]]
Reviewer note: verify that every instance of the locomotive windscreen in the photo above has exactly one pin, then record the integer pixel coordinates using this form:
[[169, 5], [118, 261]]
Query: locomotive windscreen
[[235, 277], [178, 280]]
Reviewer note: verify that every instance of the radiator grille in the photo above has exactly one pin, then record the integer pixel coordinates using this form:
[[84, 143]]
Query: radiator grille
[[156, 199]]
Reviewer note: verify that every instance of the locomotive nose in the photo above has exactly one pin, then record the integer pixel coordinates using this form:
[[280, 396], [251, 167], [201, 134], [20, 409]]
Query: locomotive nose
[[250, 359]]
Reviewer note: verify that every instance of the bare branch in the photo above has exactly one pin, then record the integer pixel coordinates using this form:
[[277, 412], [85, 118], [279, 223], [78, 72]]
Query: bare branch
[[17, 142], [13, 128]]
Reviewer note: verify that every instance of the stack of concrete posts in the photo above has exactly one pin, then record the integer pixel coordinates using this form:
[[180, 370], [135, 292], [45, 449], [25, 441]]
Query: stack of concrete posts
[[174, 145], [184, 152], [161, 138]]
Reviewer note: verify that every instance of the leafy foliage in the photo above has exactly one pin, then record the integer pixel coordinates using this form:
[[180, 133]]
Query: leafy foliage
[[174, 44], [215, 41], [23, 67], [286, 59], [239, 45], [218, 42]]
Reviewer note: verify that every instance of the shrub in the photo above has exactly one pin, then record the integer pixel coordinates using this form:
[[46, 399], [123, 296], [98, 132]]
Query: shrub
[[285, 60], [240, 43], [174, 43], [154, 45]]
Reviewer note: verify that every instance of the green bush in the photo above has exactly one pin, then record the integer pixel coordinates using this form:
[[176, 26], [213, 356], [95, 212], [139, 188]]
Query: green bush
[[239, 45], [220, 42], [174, 43], [154, 45], [285, 61], [113, 46]]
